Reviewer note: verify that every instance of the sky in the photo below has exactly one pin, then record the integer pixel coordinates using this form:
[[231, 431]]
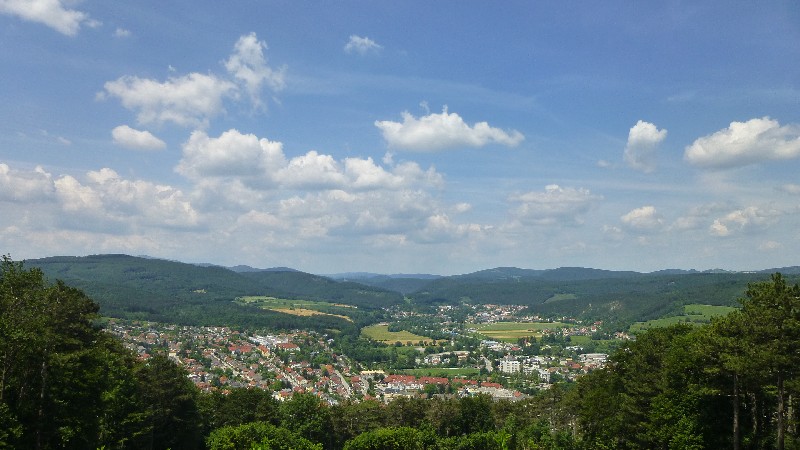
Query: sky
[[403, 137]]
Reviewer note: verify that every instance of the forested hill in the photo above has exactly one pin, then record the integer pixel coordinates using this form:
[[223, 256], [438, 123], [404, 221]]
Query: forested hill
[[154, 289], [616, 296]]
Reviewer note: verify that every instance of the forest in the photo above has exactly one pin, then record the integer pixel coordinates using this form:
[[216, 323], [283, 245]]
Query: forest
[[733, 383]]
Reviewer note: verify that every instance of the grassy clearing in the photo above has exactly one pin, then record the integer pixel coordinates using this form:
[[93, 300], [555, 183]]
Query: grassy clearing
[[693, 314], [559, 297], [294, 307], [381, 333], [512, 331]]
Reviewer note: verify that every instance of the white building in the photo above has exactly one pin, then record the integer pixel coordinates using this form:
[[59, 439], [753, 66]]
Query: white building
[[509, 365]]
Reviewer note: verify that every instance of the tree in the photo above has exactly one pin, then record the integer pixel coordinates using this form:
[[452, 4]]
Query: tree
[[54, 363], [258, 435], [402, 438], [306, 415], [171, 398], [352, 419], [238, 407], [772, 317]]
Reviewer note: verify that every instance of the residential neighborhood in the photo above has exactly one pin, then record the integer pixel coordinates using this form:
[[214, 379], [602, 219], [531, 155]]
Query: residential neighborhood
[[221, 358]]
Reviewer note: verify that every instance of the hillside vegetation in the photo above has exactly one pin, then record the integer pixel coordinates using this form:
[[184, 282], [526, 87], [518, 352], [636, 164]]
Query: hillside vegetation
[[168, 291]]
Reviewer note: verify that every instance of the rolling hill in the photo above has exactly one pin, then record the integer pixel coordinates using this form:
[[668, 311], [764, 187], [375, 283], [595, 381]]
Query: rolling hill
[[153, 289]]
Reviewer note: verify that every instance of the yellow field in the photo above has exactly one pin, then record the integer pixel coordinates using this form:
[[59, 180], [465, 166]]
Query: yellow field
[[294, 307], [308, 312]]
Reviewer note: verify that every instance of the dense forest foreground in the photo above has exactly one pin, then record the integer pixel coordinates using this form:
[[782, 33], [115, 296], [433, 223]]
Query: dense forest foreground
[[66, 383]]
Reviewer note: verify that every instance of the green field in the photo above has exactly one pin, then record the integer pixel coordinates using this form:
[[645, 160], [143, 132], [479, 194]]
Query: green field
[[297, 307], [559, 297], [381, 333], [693, 314], [512, 331]]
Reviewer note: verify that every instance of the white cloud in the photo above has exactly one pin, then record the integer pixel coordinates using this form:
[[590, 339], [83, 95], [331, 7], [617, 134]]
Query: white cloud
[[442, 131], [122, 33], [261, 164], [697, 217], [128, 137], [313, 171], [25, 187], [190, 100], [743, 143], [743, 220], [361, 45], [248, 65], [193, 100], [556, 205], [643, 141], [51, 13], [232, 154], [645, 218]]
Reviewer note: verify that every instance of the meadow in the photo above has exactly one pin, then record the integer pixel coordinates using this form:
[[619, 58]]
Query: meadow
[[693, 314], [512, 331], [381, 333]]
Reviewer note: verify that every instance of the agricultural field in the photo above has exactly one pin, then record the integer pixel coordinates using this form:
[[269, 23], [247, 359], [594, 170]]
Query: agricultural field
[[692, 314], [512, 331], [381, 333], [296, 307]]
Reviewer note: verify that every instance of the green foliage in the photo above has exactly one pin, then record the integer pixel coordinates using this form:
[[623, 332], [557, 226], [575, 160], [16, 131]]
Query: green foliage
[[56, 369], [726, 384], [238, 407], [258, 435], [306, 415], [401, 438], [172, 404]]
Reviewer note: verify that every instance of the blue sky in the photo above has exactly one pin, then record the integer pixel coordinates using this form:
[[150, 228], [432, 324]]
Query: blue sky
[[403, 137]]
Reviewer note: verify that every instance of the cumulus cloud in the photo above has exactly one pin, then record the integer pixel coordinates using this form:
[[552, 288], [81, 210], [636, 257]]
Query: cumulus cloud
[[190, 100], [556, 205], [102, 201], [743, 143], [697, 217], [743, 220], [128, 137], [645, 218], [361, 45], [122, 33], [442, 131], [25, 187], [248, 65], [232, 154], [51, 13], [643, 141], [260, 163]]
